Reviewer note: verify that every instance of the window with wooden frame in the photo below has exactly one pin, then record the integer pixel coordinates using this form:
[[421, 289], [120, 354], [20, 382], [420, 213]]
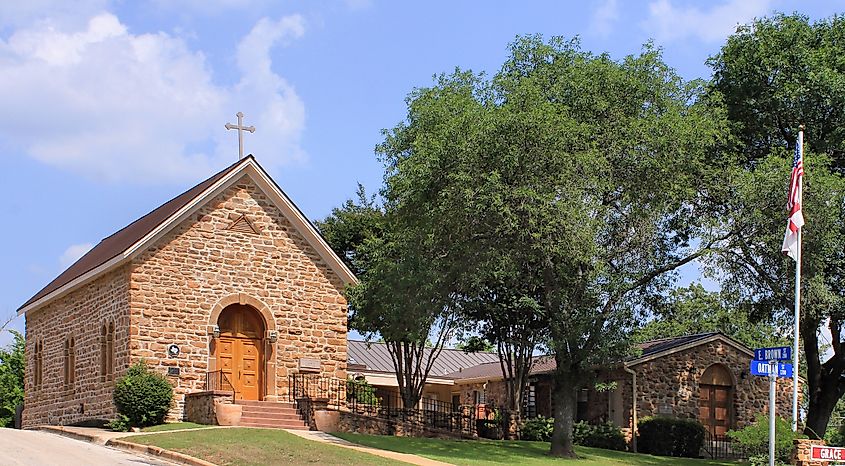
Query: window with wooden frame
[[39, 362], [70, 362], [107, 351], [110, 352]]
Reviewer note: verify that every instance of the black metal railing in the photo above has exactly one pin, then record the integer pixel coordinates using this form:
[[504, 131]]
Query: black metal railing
[[361, 398], [218, 381], [720, 447]]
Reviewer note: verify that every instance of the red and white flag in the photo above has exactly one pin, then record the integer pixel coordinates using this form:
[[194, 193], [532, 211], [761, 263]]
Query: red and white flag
[[796, 218]]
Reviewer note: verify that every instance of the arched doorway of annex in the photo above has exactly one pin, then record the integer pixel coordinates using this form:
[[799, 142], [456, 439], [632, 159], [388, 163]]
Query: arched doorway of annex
[[241, 347], [716, 409]]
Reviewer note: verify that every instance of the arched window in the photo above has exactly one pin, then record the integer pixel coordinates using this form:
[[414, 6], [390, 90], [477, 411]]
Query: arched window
[[70, 362], [103, 352], [39, 361], [107, 351], [110, 352]]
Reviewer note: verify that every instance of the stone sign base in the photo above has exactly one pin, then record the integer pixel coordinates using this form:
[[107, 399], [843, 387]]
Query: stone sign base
[[801, 453]]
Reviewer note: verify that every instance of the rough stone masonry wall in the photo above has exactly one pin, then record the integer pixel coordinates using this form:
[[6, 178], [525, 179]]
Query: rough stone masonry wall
[[79, 314], [176, 283], [672, 383], [200, 406], [495, 392]]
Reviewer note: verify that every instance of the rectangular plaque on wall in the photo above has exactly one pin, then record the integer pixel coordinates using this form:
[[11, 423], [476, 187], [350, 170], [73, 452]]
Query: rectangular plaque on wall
[[309, 365], [174, 371]]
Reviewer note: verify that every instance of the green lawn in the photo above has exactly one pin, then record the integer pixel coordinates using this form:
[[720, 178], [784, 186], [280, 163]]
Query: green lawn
[[495, 453], [173, 426], [258, 447]]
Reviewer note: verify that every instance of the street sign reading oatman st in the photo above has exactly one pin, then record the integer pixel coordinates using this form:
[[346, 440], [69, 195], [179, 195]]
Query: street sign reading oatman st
[[765, 369], [818, 452]]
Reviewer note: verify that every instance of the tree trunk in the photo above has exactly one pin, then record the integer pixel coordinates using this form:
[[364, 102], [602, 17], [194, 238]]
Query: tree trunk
[[564, 412], [821, 405], [824, 388]]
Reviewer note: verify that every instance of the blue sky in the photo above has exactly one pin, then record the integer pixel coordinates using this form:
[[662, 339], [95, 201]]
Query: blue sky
[[112, 107]]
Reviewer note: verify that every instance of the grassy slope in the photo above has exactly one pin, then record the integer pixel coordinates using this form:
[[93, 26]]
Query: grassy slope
[[173, 426], [496, 453], [248, 447]]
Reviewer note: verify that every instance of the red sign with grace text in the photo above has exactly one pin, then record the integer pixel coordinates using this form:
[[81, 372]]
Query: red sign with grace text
[[818, 452]]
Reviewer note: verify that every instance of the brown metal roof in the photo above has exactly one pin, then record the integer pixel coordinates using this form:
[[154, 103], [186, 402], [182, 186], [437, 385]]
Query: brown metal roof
[[116, 244], [376, 358]]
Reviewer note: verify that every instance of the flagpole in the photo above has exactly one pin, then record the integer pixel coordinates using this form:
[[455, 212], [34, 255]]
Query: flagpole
[[797, 307]]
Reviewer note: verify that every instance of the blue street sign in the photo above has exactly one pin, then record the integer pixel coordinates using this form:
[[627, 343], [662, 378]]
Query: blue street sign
[[782, 353], [762, 368]]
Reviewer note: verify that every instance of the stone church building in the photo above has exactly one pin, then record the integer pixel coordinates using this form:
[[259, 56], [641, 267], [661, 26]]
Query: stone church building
[[228, 280]]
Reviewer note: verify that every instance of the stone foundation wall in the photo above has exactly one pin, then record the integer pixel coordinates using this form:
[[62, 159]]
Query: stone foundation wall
[[80, 314], [375, 425], [199, 406], [177, 284]]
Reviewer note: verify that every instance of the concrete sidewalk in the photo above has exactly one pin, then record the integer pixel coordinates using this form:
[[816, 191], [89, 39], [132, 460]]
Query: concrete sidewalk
[[323, 437]]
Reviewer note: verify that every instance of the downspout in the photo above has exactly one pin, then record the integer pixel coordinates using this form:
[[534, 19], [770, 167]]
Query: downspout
[[633, 405]]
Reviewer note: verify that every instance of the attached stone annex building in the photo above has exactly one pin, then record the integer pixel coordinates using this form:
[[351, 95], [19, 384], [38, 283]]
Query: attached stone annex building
[[227, 278]]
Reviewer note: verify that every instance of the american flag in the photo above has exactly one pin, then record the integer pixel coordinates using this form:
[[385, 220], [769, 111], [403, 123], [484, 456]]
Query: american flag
[[793, 203]]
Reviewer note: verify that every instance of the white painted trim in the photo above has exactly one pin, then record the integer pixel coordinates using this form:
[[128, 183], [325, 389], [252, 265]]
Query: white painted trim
[[251, 168]]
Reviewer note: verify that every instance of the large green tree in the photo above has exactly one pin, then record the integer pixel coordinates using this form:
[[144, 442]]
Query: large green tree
[[693, 309], [11, 379], [582, 175], [777, 72], [773, 75], [398, 298]]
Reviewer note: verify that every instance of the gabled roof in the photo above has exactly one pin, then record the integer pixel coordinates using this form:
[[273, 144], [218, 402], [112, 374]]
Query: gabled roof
[[132, 239], [376, 358]]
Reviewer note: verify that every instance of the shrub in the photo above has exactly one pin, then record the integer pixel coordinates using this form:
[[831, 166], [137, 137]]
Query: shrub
[[605, 435], [142, 397], [835, 435], [361, 391], [755, 439], [537, 429], [667, 436]]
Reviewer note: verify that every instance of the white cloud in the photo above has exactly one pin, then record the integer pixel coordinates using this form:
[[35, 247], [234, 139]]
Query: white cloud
[[117, 106], [73, 253], [604, 18], [667, 22], [56, 12]]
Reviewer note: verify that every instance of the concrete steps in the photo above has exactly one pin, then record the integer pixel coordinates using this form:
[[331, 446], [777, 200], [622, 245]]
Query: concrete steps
[[271, 415]]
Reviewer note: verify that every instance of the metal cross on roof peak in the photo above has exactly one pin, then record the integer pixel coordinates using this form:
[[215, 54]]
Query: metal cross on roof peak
[[241, 128]]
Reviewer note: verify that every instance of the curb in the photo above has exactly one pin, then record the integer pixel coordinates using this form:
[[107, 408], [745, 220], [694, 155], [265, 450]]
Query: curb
[[131, 447], [158, 452], [74, 435]]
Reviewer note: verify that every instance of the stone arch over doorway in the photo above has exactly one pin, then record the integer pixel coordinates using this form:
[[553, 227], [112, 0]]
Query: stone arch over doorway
[[242, 336], [716, 409]]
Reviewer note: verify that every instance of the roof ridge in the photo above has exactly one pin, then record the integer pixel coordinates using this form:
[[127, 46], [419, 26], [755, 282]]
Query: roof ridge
[[115, 244], [176, 197], [444, 349]]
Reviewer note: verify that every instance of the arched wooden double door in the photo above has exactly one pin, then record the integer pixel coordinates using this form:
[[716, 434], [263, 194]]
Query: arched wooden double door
[[716, 402], [239, 350]]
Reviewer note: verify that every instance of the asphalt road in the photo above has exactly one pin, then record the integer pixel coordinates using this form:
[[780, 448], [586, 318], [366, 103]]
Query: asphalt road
[[36, 448]]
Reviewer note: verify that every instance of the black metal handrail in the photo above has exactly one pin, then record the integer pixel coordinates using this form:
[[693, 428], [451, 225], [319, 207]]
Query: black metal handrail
[[362, 398], [721, 447], [218, 381]]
